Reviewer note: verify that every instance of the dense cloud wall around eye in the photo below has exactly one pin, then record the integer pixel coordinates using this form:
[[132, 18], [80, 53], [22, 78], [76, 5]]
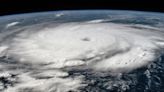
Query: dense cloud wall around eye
[[98, 46]]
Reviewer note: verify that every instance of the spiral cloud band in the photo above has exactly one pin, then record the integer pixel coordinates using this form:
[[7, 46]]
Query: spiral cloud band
[[43, 55], [99, 46]]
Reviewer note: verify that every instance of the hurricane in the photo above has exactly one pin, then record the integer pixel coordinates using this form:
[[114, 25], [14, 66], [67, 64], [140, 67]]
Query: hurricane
[[86, 56]]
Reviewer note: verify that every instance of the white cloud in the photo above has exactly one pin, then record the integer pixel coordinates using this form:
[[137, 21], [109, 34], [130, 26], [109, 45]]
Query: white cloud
[[12, 24], [98, 46]]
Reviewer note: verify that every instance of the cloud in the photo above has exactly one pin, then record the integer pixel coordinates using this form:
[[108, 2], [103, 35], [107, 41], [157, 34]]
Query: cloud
[[97, 46]]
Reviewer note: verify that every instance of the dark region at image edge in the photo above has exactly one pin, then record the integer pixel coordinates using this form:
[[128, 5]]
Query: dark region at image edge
[[8, 7]]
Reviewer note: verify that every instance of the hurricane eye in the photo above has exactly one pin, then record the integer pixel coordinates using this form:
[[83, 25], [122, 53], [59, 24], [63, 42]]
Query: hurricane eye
[[86, 39]]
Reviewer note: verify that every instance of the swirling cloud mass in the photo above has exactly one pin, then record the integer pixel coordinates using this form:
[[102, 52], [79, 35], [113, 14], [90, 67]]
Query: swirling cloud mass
[[42, 57]]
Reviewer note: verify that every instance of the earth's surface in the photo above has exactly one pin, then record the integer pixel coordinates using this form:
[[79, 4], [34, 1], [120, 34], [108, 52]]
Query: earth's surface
[[82, 51]]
